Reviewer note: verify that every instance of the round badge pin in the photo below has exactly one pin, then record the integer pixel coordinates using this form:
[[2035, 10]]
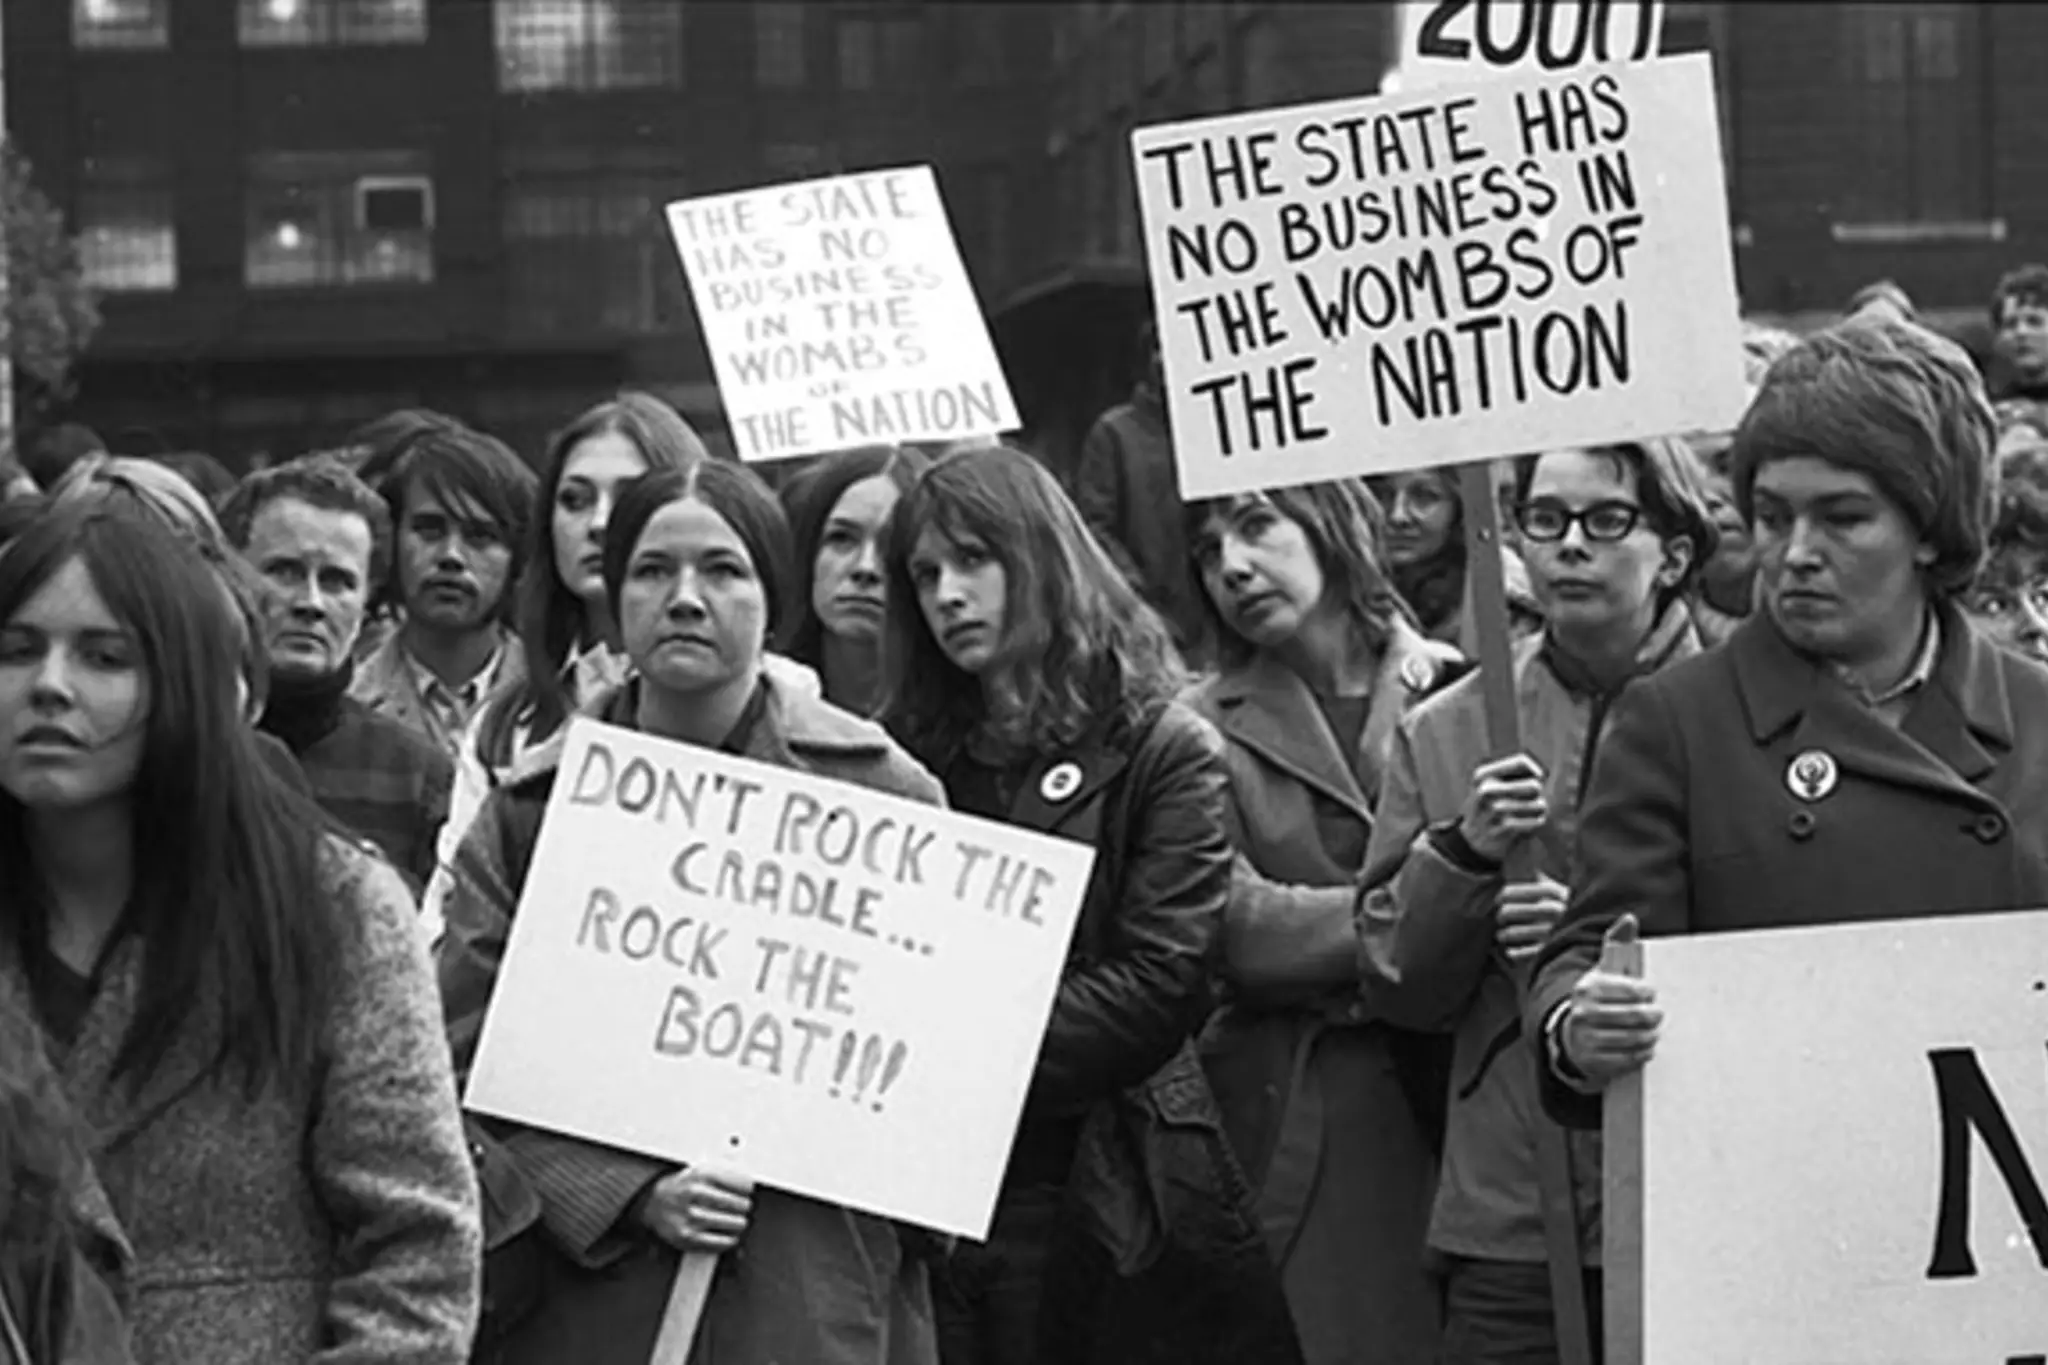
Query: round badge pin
[[1812, 775], [1417, 673], [1061, 781]]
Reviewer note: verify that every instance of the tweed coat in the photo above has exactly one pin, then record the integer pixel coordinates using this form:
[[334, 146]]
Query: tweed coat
[[338, 1229]]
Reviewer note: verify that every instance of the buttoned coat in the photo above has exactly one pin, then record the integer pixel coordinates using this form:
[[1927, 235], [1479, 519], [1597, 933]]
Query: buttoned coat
[[1695, 824], [340, 1228], [1317, 1092]]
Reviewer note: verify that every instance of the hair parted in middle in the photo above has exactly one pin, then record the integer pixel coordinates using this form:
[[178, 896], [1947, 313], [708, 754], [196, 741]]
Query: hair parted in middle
[[738, 495]]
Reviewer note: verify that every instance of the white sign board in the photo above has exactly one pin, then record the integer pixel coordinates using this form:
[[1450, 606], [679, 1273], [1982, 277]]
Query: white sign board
[[1838, 1152], [840, 992], [1467, 40], [1366, 286], [838, 314]]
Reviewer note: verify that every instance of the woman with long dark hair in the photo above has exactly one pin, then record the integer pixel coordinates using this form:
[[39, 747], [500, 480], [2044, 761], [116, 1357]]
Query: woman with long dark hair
[[232, 995], [839, 509], [1333, 1111], [1027, 673], [697, 572]]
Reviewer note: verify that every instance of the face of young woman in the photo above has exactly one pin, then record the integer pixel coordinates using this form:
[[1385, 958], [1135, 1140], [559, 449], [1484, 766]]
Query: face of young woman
[[1260, 571], [1839, 561], [963, 592], [74, 700], [584, 497], [1590, 579], [693, 613], [1420, 509], [847, 591], [2009, 603]]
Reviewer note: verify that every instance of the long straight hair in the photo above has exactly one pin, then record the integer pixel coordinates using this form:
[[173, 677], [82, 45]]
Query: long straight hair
[[809, 499], [1081, 653], [228, 900], [550, 616], [41, 1162]]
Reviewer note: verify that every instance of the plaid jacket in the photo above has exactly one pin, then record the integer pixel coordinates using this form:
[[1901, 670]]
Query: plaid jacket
[[386, 783]]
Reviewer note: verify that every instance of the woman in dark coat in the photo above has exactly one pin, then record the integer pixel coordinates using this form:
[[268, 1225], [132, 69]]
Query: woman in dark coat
[[1026, 671], [1328, 1107], [1857, 751]]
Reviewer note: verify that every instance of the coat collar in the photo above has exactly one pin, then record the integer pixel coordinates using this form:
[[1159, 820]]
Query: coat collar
[[1946, 740], [1265, 706]]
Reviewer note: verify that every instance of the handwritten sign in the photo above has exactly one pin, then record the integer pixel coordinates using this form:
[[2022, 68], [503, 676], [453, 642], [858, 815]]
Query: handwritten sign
[[838, 991], [1466, 40], [1838, 1153], [838, 314], [1367, 286]]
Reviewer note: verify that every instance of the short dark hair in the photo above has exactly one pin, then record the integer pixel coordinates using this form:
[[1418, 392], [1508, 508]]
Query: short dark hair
[[51, 455], [733, 491], [2026, 284], [1898, 404], [1671, 485], [372, 448], [455, 464], [319, 481]]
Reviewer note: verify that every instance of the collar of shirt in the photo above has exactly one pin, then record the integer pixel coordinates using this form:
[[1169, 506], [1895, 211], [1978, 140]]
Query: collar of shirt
[[464, 698], [1915, 678]]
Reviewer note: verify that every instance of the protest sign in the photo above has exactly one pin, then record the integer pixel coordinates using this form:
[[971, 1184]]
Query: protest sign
[[1467, 40], [838, 314], [840, 992], [1837, 1153], [1365, 286]]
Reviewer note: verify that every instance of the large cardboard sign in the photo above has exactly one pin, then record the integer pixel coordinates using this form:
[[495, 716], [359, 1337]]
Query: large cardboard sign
[[1838, 1152], [838, 313], [840, 992], [1466, 40], [1371, 285]]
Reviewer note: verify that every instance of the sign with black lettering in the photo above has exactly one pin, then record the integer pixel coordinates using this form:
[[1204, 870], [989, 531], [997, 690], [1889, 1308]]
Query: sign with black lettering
[[1372, 285], [838, 991], [838, 314], [1839, 1151], [1464, 40]]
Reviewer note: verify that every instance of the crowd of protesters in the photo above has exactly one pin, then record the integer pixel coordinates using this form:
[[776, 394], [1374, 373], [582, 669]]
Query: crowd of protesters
[[1321, 1079]]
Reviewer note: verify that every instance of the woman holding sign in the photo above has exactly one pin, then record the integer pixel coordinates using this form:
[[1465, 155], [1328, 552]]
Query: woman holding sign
[[697, 572], [1858, 750], [1614, 537], [1028, 673], [1333, 1112], [233, 995]]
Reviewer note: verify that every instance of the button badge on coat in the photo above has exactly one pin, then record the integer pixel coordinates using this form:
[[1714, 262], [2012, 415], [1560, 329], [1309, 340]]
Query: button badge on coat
[[1812, 775], [1061, 781]]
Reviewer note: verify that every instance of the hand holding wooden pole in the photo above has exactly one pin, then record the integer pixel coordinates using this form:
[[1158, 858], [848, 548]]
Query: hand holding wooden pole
[[685, 1308]]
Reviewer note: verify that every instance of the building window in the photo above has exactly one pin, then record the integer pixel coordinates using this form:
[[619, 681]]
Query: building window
[[779, 45], [339, 218], [1915, 77], [127, 238], [902, 51], [120, 23], [857, 57], [587, 251], [306, 23], [588, 45], [981, 54]]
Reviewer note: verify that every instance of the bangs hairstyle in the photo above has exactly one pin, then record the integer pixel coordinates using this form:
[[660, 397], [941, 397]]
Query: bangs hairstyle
[[319, 481], [1897, 404], [1671, 488], [549, 616], [463, 469], [1080, 649], [733, 491], [2026, 285], [227, 894], [144, 487], [810, 498], [1345, 526]]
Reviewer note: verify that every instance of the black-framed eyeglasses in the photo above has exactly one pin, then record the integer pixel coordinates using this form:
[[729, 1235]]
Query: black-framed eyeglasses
[[1603, 522]]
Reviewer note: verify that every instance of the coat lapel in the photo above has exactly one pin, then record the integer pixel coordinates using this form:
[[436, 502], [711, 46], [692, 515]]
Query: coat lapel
[[1058, 788], [1941, 745], [1266, 707]]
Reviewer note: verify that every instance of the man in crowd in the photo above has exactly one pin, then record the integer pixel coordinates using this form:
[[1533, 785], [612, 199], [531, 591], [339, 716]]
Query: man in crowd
[[460, 502], [2019, 325], [319, 537]]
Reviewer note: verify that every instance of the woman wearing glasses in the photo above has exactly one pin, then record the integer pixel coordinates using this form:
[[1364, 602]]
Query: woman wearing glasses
[[1613, 537], [1857, 751]]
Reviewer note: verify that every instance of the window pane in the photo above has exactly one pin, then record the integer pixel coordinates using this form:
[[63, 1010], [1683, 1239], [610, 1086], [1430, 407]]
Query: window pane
[[779, 44], [120, 23], [587, 44], [586, 251], [306, 222], [284, 23], [1917, 151], [1937, 54], [902, 52], [127, 239], [979, 49], [856, 54]]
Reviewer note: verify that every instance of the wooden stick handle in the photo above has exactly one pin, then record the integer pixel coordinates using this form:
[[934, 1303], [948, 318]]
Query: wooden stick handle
[[685, 1308]]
